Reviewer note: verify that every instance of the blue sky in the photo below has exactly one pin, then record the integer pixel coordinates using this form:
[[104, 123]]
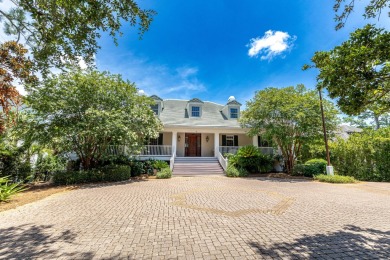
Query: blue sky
[[202, 48]]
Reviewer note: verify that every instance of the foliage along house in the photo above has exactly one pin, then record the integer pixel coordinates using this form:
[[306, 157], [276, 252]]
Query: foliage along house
[[198, 129]]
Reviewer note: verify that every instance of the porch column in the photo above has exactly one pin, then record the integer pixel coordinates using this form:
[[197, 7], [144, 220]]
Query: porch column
[[174, 143], [216, 144], [255, 142]]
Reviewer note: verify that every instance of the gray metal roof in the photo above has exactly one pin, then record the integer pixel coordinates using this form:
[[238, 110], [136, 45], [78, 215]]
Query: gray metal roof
[[344, 131], [175, 114]]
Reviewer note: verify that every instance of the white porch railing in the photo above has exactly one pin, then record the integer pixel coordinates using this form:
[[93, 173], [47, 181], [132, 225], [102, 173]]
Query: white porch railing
[[150, 150], [229, 149], [267, 150], [118, 150], [233, 149], [157, 150], [222, 161]]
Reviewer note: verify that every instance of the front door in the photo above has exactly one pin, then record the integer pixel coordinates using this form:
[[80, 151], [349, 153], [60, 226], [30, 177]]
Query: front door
[[192, 145]]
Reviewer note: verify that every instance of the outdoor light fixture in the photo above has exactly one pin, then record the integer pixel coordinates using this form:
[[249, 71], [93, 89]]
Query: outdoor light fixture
[[178, 138], [207, 139]]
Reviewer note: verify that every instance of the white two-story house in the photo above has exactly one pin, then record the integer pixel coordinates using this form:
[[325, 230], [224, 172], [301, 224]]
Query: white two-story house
[[196, 128]]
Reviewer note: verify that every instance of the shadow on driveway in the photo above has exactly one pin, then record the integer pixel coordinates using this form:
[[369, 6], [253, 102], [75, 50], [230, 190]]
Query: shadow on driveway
[[32, 242], [351, 242]]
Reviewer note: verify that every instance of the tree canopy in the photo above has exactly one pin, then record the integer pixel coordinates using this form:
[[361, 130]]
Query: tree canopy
[[369, 119], [372, 9], [65, 31], [86, 111], [290, 117], [15, 67], [357, 72]]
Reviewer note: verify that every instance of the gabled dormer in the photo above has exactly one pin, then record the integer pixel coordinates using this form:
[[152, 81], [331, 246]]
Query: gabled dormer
[[194, 108], [232, 108], [158, 106]]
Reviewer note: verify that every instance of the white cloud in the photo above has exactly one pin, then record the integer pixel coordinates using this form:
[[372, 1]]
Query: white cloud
[[155, 79], [272, 44]]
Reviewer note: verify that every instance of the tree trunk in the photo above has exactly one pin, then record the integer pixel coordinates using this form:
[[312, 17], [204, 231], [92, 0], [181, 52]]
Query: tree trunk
[[86, 163], [376, 118]]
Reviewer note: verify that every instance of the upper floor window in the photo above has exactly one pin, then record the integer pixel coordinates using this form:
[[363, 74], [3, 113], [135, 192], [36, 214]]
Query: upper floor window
[[154, 108], [234, 113], [195, 111]]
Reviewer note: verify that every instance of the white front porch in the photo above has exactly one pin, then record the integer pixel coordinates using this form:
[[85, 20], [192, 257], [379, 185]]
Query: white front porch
[[208, 143]]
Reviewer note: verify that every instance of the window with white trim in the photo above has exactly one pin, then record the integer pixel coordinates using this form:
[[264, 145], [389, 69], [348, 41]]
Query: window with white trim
[[230, 140], [233, 112], [195, 111]]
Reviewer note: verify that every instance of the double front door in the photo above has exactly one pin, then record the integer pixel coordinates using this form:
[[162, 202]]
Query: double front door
[[192, 145]]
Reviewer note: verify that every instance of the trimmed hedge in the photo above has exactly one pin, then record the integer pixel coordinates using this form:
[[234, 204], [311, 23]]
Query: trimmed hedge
[[110, 173], [311, 168], [334, 178]]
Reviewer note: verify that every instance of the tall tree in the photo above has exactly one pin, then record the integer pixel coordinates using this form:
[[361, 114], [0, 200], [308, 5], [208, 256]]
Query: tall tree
[[369, 119], [357, 72], [290, 117], [15, 67], [372, 9], [86, 111], [64, 31]]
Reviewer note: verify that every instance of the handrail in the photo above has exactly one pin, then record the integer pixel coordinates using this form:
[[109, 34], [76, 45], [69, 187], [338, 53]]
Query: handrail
[[222, 161], [172, 159]]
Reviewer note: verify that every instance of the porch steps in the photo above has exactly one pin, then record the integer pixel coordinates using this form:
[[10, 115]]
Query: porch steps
[[192, 166]]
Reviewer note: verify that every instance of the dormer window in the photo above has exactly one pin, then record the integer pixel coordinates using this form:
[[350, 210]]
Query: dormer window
[[233, 112], [232, 109], [194, 107], [158, 105], [195, 111], [155, 108]]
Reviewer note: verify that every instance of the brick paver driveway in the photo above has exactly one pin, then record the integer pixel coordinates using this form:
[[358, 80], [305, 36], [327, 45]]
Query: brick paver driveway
[[209, 217]]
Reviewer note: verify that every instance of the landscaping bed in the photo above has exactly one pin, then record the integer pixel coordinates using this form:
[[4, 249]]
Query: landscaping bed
[[278, 175], [34, 193]]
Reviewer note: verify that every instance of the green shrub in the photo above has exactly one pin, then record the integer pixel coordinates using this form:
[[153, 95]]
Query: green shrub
[[14, 162], [109, 173], [148, 167], [334, 178], [116, 173], [364, 156], [159, 165], [315, 167], [299, 170], [233, 171], [310, 168], [258, 163], [248, 151], [232, 159], [137, 168], [8, 189], [165, 173], [46, 165]]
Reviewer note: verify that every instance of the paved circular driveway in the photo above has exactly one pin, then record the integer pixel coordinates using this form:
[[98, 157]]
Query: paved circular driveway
[[208, 217]]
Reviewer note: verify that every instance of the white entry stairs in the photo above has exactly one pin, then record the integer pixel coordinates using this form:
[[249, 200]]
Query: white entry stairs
[[192, 166]]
